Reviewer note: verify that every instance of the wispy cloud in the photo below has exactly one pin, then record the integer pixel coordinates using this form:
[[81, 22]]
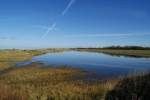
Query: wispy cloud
[[7, 38], [50, 28], [68, 7], [106, 35]]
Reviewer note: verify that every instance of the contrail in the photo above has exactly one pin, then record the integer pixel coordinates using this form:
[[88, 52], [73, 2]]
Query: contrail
[[68, 7], [51, 28]]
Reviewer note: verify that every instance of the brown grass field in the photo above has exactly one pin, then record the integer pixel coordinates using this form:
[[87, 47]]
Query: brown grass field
[[39, 82]]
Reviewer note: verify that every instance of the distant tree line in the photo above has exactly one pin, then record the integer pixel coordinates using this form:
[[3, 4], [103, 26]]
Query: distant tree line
[[128, 47], [120, 48]]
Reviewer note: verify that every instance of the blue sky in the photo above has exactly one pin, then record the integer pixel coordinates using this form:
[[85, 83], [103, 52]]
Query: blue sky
[[74, 23]]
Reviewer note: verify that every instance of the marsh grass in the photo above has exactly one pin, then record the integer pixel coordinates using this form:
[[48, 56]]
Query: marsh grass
[[9, 58], [39, 82], [35, 82], [43, 83], [7, 93], [131, 88]]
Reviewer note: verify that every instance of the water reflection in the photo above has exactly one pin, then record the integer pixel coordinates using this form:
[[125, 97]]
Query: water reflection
[[99, 64]]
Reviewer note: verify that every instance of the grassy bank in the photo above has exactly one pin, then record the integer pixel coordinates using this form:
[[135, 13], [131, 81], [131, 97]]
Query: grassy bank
[[39, 82], [131, 88], [119, 52], [9, 58], [33, 82]]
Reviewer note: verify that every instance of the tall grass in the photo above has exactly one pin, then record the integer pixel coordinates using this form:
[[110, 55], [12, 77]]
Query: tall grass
[[34, 82], [38, 82], [131, 88], [48, 83], [8, 58]]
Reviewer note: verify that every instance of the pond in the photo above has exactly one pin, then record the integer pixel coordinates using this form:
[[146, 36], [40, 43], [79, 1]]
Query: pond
[[97, 64]]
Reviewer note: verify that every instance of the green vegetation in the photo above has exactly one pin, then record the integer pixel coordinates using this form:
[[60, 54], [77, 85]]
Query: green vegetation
[[127, 48], [44, 51], [122, 48], [133, 53], [9, 58], [119, 52]]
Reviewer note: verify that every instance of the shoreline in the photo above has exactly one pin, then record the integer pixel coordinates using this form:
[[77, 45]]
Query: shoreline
[[34, 80], [119, 52]]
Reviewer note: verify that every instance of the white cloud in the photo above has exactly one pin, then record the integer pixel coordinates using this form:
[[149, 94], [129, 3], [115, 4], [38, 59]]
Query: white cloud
[[107, 35]]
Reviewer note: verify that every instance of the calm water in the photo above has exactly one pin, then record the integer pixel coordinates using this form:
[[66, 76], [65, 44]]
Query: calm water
[[97, 64]]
